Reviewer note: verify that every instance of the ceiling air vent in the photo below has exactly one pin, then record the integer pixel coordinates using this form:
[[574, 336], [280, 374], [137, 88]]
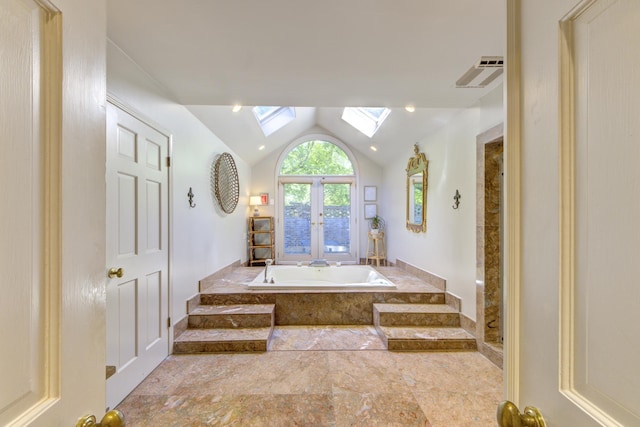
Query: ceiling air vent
[[483, 72]]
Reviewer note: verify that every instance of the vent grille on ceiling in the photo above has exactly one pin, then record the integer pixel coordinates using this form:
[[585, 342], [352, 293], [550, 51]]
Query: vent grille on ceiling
[[483, 72]]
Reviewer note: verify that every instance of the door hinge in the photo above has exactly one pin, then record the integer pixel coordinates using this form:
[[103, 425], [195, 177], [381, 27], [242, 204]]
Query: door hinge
[[168, 161], [168, 322]]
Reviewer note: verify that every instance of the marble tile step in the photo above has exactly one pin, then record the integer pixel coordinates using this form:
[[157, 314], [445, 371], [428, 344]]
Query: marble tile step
[[232, 316], [421, 297], [426, 338], [415, 315], [212, 298], [223, 340]]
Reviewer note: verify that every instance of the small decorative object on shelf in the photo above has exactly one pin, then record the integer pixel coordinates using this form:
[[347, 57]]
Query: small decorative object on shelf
[[255, 201], [376, 223], [261, 240]]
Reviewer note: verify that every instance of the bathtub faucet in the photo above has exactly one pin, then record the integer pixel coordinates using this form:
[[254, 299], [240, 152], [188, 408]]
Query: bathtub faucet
[[319, 263], [267, 263]]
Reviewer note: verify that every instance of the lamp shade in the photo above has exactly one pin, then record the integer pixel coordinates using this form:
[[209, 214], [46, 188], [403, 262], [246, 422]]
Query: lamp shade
[[255, 201]]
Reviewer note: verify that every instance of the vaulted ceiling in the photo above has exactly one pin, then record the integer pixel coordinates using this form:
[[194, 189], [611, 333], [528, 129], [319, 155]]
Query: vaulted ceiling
[[318, 56]]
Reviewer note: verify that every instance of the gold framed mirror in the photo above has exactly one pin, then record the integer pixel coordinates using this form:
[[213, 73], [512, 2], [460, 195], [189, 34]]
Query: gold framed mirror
[[417, 174]]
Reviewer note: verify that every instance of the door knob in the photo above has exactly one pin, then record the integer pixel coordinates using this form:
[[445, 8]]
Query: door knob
[[509, 416], [112, 418], [115, 272]]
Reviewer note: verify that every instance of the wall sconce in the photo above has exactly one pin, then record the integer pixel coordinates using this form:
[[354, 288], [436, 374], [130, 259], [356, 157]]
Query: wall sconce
[[456, 199], [255, 201], [190, 196]]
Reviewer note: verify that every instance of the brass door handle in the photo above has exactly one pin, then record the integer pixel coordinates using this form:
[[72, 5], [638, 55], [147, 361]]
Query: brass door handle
[[509, 416], [115, 272], [112, 418]]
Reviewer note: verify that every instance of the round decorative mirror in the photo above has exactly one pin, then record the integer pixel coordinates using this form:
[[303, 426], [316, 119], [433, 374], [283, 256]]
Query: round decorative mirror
[[226, 187]]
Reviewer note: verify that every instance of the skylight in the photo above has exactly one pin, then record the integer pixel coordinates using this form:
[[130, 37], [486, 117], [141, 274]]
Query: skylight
[[272, 119], [366, 120]]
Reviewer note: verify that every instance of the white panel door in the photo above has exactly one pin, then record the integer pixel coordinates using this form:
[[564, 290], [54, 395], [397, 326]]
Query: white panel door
[[137, 233], [599, 311], [580, 368], [23, 306], [52, 218]]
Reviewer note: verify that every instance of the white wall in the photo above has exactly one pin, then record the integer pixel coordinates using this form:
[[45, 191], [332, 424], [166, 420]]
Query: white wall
[[370, 173], [203, 240], [448, 248]]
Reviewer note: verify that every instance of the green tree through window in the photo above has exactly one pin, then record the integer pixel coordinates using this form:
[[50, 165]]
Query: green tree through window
[[316, 158]]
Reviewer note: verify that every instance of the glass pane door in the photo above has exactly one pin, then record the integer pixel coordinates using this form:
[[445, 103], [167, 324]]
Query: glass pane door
[[336, 219], [297, 220]]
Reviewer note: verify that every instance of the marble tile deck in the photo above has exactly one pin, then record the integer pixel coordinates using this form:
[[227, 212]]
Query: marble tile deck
[[237, 280], [319, 376], [317, 306]]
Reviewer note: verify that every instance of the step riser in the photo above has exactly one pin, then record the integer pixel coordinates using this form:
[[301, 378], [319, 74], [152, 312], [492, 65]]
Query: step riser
[[409, 298], [441, 344], [231, 299], [416, 319], [431, 345], [376, 297], [220, 347], [215, 321]]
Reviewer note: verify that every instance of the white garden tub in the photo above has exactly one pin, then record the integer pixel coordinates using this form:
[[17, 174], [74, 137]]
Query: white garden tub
[[333, 277]]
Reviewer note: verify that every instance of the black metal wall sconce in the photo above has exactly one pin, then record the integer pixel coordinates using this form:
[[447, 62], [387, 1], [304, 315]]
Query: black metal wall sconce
[[190, 196], [457, 198]]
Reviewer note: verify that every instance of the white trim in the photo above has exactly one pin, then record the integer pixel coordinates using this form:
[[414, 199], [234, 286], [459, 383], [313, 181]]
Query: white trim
[[52, 123], [512, 149], [112, 99], [566, 204]]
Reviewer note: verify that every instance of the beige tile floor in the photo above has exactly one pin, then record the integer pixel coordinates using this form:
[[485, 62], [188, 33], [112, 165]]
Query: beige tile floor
[[319, 376]]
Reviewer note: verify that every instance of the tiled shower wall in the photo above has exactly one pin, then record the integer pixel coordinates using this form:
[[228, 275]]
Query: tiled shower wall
[[489, 236]]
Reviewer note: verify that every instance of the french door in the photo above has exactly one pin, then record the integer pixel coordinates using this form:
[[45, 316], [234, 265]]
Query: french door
[[317, 219]]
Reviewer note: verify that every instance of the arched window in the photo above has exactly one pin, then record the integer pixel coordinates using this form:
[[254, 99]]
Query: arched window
[[316, 157], [316, 202]]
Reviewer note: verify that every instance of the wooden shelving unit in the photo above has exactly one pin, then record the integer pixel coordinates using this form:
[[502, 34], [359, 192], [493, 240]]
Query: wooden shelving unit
[[261, 240]]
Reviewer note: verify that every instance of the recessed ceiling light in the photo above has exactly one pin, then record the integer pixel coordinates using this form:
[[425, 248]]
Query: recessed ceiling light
[[261, 148], [236, 108], [410, 108], [373, 148]]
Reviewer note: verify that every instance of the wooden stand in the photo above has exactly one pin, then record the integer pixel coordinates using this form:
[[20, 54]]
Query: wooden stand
[[375, 248], [261, 241]]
